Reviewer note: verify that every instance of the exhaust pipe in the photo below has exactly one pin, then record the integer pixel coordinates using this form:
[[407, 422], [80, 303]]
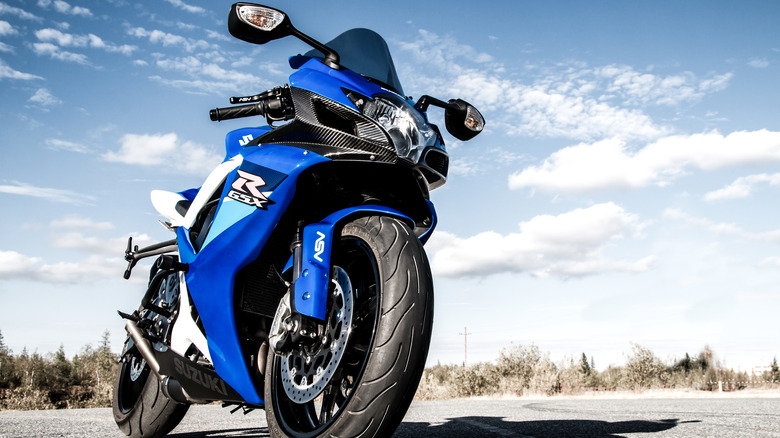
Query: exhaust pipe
[[144, 347], [170, 386]]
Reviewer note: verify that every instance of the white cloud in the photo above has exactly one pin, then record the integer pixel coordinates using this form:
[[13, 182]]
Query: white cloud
[[64, 145], [91, 244], [188, 8], [21, 13], [90, 40], [44, 98], [7, 72], [719, 228], [646, 88], [759, 63], [722, 228], [56, 195], [609, 164], [443, 51], [13, 264], [742, 187], [553, 105], [79, 222], [163, 149], [566, 100], [773, 261], [56, 53], [65, 8], [207, 77], [7, 49], [169, 39], [566, 245], [6, 28], [97, 42], [201, 72], [17, 266]]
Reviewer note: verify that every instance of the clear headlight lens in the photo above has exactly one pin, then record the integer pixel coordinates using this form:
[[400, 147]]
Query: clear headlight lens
[[410, 133]]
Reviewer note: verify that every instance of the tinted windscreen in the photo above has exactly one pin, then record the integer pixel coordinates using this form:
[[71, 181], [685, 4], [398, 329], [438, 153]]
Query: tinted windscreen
[[365, 52]]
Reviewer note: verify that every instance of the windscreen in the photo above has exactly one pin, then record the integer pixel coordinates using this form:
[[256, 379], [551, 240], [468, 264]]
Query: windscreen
[[364, 52]]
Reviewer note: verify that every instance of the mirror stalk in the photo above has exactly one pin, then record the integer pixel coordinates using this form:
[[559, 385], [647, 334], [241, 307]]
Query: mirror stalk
[[331, 57]]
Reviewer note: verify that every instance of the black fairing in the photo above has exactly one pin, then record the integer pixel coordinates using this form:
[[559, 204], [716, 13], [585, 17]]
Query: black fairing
[[331, 130]]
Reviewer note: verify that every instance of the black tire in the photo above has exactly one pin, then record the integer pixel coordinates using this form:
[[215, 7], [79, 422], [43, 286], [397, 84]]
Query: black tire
[[141, 409], [388, 346]]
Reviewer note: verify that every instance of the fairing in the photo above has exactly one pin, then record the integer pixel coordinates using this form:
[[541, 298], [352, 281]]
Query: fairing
[[237, 236]]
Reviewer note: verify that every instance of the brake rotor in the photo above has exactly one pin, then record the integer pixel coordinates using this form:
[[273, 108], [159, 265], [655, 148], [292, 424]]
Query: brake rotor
[[306, 371]]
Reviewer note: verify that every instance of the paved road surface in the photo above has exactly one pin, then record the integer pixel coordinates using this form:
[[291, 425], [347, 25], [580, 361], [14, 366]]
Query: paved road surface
[[726, 417]]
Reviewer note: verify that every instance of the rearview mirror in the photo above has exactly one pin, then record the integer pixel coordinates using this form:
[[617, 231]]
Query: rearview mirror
[[258, 24], [463, 121]]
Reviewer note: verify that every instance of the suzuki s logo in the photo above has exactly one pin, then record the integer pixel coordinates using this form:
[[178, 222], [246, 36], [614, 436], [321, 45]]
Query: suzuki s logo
[[246, 189], [245, 140], [319, 246]]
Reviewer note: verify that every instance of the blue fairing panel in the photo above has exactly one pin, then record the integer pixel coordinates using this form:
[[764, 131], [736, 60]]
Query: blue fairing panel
[[318, 78], [237, 139], [241, 227]]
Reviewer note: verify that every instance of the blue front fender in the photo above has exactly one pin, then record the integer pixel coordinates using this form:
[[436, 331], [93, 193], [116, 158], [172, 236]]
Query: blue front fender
[[311, 288]]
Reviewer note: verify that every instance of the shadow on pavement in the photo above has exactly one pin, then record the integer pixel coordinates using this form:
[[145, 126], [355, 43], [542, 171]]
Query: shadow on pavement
[[498, 427], [488, 427], [251, 432]]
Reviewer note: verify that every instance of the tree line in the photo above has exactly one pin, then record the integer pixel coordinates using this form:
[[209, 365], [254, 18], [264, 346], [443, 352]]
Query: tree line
[[526, 370], [52, 381]]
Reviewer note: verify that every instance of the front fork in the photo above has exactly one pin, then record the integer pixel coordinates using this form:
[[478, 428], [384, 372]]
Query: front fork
[[311, 267]]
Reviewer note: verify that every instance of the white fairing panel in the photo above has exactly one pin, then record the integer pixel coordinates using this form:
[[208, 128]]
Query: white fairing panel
[[212, 183], [165, 204], [185, 330]]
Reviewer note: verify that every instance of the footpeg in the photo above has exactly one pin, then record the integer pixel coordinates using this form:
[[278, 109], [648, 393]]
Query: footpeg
[[134, 317]]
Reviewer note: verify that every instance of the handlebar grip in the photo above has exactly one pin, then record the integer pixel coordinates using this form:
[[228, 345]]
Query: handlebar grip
[[235, 112]]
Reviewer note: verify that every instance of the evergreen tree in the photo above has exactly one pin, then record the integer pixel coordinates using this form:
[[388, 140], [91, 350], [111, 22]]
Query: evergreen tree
[[58, 379], [6, 365], [585, 366], [775, 370]]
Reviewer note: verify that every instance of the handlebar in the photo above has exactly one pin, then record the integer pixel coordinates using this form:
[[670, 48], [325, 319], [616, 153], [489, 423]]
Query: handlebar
[[234, 112], [275, 104]]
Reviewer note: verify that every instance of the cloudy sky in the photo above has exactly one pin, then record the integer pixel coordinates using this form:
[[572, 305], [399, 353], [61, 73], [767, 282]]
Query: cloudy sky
[[625, 189]]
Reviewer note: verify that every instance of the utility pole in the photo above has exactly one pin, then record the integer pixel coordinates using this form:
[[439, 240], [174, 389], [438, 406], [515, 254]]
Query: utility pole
[[465, 335]]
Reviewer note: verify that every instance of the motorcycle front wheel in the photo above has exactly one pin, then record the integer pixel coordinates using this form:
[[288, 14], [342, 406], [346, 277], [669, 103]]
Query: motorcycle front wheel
[[381, 314]]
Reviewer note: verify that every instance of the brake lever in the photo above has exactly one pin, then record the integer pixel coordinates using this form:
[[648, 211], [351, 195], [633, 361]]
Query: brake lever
[[255, 98]]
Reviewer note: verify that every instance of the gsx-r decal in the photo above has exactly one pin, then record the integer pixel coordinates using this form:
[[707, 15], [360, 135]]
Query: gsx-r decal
[[250, 179]]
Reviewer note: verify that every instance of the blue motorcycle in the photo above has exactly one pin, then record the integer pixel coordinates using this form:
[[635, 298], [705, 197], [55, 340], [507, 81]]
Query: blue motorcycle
[[297, 281]]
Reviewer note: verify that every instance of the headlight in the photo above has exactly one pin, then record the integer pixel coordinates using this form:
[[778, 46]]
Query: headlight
[[408, 129]]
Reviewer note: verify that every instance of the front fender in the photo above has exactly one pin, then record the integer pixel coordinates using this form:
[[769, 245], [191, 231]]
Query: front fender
[[311, 287]]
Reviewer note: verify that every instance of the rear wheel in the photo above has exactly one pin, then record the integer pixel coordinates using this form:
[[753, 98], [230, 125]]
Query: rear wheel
[[361, 378], [141, 410]]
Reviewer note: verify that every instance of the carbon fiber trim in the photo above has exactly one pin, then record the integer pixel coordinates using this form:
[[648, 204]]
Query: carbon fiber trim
[[330, 129]]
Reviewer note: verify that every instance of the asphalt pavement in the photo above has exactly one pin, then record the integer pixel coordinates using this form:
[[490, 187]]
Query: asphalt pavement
[[552, 417]]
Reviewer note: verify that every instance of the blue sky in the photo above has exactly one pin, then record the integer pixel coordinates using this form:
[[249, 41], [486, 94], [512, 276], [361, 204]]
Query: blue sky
[[624, 190]]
